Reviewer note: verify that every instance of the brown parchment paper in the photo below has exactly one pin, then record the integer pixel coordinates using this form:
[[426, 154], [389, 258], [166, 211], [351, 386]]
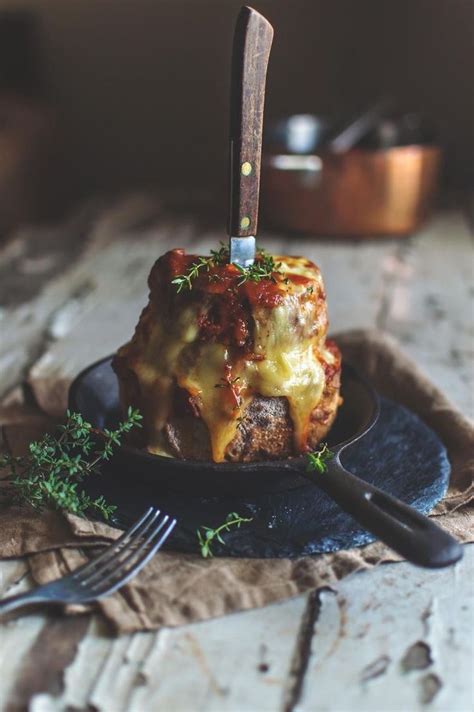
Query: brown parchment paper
[[174, 589]]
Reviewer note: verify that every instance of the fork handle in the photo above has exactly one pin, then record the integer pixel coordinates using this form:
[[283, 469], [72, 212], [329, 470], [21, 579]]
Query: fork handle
[[11, 603]]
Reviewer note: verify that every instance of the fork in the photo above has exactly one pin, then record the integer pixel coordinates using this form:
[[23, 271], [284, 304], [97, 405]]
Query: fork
[[106, 573]]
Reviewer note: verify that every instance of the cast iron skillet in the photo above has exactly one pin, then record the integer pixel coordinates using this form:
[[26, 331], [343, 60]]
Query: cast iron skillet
[[94, 393]]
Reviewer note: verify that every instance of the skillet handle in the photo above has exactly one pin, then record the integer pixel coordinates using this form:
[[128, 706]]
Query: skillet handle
[[406, 531]]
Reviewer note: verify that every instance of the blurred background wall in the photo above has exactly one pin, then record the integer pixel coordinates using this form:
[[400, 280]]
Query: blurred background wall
[[141, 86]]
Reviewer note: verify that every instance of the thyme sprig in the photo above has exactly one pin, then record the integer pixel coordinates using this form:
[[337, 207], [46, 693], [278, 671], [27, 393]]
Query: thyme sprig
[[264, 267], [51, 473], [216, 258], [206, 535], [317, 461], [185, 281]]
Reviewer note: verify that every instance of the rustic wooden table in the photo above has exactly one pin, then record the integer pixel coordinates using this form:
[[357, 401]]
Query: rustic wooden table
[[395, 638]]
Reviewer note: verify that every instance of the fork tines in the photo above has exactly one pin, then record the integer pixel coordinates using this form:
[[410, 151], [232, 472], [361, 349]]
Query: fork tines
[[127, 555]]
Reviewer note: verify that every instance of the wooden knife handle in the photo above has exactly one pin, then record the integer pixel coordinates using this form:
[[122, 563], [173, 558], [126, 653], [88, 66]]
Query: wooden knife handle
[[251, 50]]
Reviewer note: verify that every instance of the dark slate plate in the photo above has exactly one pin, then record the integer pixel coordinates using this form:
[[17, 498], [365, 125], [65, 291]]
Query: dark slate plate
[[401, 455]]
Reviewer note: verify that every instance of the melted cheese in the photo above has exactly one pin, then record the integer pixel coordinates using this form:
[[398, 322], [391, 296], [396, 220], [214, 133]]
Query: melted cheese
[[288, 350], [204, 381]]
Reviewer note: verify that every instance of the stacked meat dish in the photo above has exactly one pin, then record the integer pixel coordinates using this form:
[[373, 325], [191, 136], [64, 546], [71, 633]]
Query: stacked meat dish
[[232, 364]]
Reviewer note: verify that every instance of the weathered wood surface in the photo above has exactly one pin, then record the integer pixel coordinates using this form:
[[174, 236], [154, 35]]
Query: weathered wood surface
[[395, 638], [400, 639], [392, 639]]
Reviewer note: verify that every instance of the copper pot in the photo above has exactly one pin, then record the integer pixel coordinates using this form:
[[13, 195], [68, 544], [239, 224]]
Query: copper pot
[[357, 193]]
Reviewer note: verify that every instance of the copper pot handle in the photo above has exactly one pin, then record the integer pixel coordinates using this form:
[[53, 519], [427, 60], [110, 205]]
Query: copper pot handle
[[309, 167], [292, 162]]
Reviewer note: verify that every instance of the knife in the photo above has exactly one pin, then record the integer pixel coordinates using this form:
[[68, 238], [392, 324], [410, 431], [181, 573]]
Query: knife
[[251, 49]]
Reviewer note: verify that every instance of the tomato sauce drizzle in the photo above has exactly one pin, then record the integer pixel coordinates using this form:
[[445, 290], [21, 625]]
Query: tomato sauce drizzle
[[229, 320]]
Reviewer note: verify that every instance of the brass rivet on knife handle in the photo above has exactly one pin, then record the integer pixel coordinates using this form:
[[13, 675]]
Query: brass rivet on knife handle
[[251, 50]]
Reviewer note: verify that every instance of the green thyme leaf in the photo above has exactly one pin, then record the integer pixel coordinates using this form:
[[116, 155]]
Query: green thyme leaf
[[206, 535], [264, 267], [317, 461], [50, 475]]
